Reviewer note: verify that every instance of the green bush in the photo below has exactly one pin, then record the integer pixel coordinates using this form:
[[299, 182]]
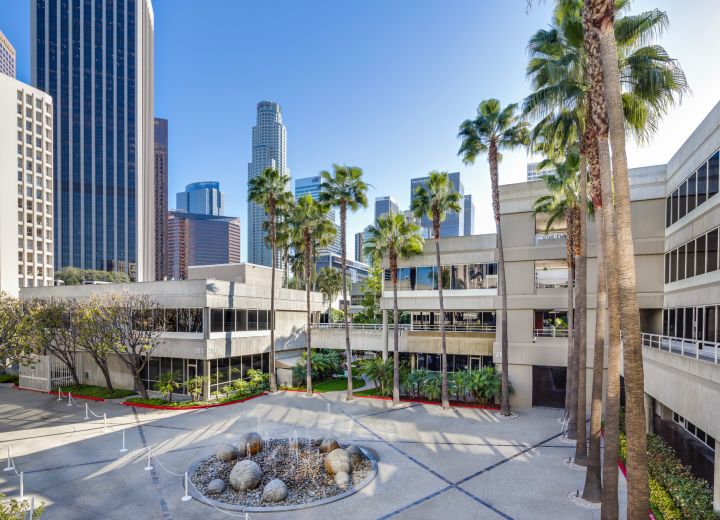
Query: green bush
[[662, 501], [156, 401], [97, 391], [9, 378]]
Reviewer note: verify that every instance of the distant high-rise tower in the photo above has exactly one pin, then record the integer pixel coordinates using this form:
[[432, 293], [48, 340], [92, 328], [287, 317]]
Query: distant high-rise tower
[[7, 57], [203, 198], [311, 186], [469, 216], [383, 206], [454, 223], [161, 196], [96, 61], [269, 149]]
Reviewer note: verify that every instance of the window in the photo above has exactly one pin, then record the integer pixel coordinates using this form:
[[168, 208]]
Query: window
[[229, 320], [216, 320], [681, 262], [692, 191], [252, 320], [691, 259], [700, 256]]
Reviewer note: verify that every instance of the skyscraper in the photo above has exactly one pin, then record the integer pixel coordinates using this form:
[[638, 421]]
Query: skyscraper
[[311, 186], [269, 149], [161, 196], [203, 198], [454, 223], [7, 57], [383, 206], [96, 61], [469, 216]]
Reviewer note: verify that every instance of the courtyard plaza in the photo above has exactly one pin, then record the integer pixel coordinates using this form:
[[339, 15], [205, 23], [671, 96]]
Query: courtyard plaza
[[466, 464]]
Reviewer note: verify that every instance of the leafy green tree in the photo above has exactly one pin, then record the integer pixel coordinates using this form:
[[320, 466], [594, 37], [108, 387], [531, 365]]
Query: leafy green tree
[[434, 200], [195, 386], [395, 237], [167, 383], [372, 292], [18, 343], [59, 330], [493, 130], [330, 283], [75, 276], [97, 335], [18, 510]]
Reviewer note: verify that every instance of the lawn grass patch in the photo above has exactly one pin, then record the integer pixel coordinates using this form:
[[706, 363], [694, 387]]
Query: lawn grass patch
[[159, 401], [10, 378], [96, 391], [372, 392]]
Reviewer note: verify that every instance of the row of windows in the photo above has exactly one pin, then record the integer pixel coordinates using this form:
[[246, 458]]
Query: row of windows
[[455, 318], [29, 101], [29, 219], [22, 243], [38, 193], [29, 206], [696, 323], [697, 188], [38, 128], [232, 320], [699, 256], [694, 430], [30, 258], [472, 276], [181, 320], [30, 271], [36, 283]]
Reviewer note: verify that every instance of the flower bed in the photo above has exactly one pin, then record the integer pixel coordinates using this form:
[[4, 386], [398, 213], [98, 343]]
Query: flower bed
[[158, 403]]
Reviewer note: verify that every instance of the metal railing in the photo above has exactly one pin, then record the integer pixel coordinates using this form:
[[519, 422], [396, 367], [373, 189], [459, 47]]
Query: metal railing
[[358, 326], [455, 328], [552, 283], [391, 326], [557, 332], [692, 348]]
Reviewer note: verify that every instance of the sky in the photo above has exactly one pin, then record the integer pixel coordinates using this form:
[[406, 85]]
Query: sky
[[375, 84]]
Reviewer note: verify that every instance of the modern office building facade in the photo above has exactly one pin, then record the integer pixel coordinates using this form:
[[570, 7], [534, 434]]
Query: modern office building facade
[[533, 175], [269, 149], [203, 198], [161, 196], [7, 57], [356, 271], [195, 239], [384, 205], [469, 212], [360, 239], [311, 186], [96, 61], [26, 211], [454, 223]]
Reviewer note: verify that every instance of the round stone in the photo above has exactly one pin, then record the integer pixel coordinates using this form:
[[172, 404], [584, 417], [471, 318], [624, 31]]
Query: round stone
[[245, 475], [342, 479], [356, 454], [227, 452], [275, 491], [251, 439], [339, 461], [328, 444], [215, 487], [318, 441], [295, 445]]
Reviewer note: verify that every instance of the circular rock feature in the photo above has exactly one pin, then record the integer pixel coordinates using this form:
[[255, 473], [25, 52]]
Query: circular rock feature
[[342, 479], [251, 439], [339, 461], [356, 454], [215, 487], [328, 444], [318, 441], [245, 475], [275, 491], [227, 452]]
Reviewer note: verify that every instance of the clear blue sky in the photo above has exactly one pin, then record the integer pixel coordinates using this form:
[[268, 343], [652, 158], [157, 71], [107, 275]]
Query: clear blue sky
[[377, 84]]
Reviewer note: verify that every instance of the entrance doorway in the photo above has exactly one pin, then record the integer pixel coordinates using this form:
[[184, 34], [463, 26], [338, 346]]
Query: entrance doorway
[[475, 363], [548, 386]]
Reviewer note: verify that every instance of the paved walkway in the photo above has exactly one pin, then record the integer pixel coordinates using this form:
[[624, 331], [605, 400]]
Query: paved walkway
[[464, 465]]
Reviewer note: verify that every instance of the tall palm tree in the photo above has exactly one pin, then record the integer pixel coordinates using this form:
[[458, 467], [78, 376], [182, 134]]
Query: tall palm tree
[[266, 190], [493, 130], [344, 189], [435, 199], [310, 224], [283, 238], [329, 282], [392, 235]]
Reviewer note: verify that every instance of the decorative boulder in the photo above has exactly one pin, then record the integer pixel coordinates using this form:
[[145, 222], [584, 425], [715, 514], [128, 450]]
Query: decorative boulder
[[318, 441], [227, 452], [295, 445], [356, 454], [342, 479], [215, 487], [251, 439], [275, 491], [339, 461], [245, 475], [328, 444]]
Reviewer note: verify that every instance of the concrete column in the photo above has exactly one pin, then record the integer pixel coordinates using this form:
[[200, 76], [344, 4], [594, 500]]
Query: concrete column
[[206, 371], [716, 487], [413, 362], [649, 413], [385, 335]]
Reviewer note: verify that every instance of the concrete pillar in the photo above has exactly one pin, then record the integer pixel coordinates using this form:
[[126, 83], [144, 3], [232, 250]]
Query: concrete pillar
[[716, 487], [385, 335], [649, 413], [206, 371], [413, 362]]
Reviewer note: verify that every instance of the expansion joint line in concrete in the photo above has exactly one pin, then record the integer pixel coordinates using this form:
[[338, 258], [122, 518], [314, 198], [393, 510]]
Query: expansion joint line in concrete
[[156, 481]]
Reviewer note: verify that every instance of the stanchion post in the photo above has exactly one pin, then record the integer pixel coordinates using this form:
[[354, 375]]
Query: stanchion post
[[69, 399], [124, 449], [22, 497], [105, 421], [87, 415], [10, 467], [187, 496], [149, 466], [59, 394], [32, 507]]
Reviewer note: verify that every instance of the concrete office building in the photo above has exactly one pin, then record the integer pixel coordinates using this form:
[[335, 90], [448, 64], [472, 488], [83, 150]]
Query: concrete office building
[[384, 205], [533, 175], [203, 198], [469, 213], [26, 151], [360, 239], [161, 196], [311, 186], [195, 239], [103, 129], [269, 149], [7, 57], [355, 271], [454, 223]]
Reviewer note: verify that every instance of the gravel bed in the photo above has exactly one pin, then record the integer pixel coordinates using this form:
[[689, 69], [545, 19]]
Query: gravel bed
[[307, 480]]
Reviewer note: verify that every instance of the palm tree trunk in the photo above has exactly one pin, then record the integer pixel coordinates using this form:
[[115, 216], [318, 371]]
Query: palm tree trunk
[[571, 278], [436, 230], [287, 279], [635, 428], [348, 352], [581, 445], [396, 353], [308, 267], [273, 376], [573, 427]]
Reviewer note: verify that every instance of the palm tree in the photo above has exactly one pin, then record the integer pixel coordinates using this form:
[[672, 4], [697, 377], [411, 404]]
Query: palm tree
[[266, 190], [310, 225], [330, 283], [435, 199], [392, 235], [283, 238], [344, 188], [492, 131]]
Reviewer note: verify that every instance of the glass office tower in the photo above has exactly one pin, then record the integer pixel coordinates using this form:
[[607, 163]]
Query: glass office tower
[[469, 216], [204, 198], [454, 223], [311, 186], [161, 196]]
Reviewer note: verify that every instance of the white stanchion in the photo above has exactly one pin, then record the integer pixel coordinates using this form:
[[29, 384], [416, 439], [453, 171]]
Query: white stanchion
[[32, 507], [87, 415], [9, 466], [124, 449], [59, 394], [21, 497], [105, 420], [149, 466], [69, 399], [187, 496]]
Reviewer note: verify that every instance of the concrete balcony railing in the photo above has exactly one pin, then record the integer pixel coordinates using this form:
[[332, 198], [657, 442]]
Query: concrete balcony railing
[[691, 348], [555, 332], [408, 327]]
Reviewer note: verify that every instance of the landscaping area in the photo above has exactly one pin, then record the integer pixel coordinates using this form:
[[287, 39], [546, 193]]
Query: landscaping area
[[332, 385], [231, 398], [99, 392], [10, 378]]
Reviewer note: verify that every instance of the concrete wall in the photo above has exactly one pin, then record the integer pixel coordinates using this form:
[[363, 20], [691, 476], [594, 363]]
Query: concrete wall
[[249, 274]]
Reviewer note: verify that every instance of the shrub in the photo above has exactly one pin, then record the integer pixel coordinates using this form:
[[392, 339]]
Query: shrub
[[663, 502], [9, 378]]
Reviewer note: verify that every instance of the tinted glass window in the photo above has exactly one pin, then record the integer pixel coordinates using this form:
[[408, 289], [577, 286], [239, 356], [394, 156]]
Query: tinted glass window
[[680, 323], [671, 322], [713, 174], [688, 323], [446, 276], [667, 267], [406, 279], [673, 265], [675, 206], [712, 251], [681, 263], [262, 320], [700, 264], [252, 320], [241, 319], [702, 185], [425, 278], [171, 320], [710, 325], [665, 322], [183, 320], [216, 320], [196, 320], [692, 181], [229, 320], [691, 259], [460, 277], [668, 211], [476, 275], [683, 200]]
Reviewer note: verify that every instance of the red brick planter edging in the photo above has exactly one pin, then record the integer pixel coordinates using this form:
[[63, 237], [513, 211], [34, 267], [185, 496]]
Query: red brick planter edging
[[55, 393], [190, 407], [430, 402]]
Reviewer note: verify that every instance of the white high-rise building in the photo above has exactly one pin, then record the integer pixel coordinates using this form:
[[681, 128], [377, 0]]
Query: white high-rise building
[[269, 149], [26, 213], [533, 175]]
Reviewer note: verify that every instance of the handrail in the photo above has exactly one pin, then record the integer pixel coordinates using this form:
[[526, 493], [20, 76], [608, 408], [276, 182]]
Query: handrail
[[455, 328], [357, 326], [693, 348], [555, 332], [552, 283], [405, 326]]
